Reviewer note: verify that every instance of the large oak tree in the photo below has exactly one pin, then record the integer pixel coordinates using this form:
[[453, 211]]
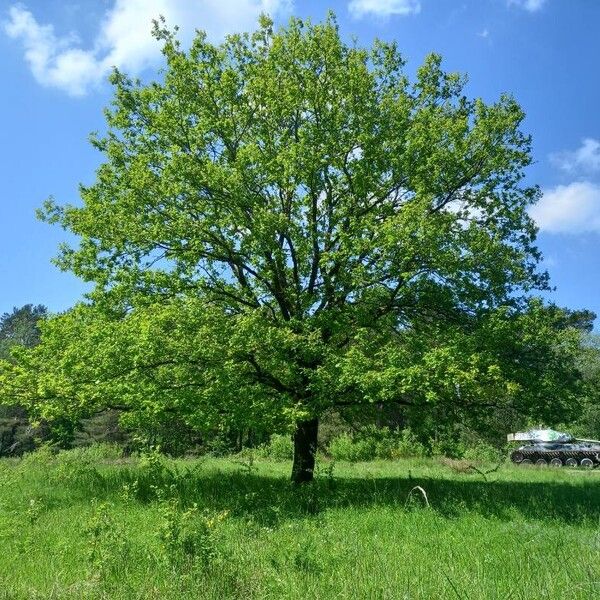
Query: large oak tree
[[284, 223]]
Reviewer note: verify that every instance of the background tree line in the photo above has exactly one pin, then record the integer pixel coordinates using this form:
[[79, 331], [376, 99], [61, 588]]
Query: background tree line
[[438, 431]]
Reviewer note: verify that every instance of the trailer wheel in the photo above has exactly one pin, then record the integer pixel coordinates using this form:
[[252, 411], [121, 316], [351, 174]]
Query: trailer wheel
[[541, 462], [526, 462], [556, 462], [571, 462], [588, 463]]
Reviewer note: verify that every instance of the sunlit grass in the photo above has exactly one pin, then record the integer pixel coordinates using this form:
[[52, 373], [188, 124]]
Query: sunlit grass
[[86, 526]]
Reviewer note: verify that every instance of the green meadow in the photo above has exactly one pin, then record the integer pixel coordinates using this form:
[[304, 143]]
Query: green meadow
[[88, 524]]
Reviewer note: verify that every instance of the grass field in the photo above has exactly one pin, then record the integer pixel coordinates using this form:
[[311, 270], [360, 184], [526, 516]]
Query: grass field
[[82, 525]]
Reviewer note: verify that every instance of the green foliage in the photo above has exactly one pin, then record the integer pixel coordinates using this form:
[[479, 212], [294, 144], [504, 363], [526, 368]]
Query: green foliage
[[155, 477], [587, 421], [98, 452], [381, 443], [285, 224], [187, 535], [582, 320], [217, 533], [376, 443], [20, 328], [407, 444], [44, 456], [587, 424], [17, 435], [482, 452], [345, 448], [279, 448], [35, 510], [245, 459], [102, 428], [106, 540]]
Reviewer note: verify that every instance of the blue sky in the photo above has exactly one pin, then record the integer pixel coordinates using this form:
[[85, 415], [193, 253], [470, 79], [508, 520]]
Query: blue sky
[[55, 54]]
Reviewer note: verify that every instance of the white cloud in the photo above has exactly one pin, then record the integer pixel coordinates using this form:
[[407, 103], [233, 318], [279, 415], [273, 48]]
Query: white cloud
[[573, 208], [383, 8], [585, 159], [124, 39], [529, 5], [484, 33]]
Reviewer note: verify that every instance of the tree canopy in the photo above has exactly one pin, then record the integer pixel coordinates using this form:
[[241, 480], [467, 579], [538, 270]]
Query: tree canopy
[[284, 223], [20, 328]]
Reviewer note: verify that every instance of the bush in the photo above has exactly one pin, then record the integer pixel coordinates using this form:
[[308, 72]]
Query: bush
[[447, 446], [482, 452], [280, 447], [44, 456], [187, 535], [468, 448], [108, 547], [376, 443], [344, 447], [99, 452], [407, 445]]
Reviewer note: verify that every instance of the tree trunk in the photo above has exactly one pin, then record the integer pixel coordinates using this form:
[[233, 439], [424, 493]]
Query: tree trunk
[[305, 448]]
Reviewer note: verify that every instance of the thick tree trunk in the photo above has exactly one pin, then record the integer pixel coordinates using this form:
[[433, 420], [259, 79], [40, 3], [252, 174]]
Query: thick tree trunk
[[305, 449]]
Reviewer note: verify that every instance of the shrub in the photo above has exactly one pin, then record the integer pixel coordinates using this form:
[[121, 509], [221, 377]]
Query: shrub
[[187, 535], [376, 442], [76, 467], [44, 456], [407, 445], [100, 452], [344, 447], [483, 452], [108, 548], [447, 446], [465, 445], [280, 447], [155, 476]]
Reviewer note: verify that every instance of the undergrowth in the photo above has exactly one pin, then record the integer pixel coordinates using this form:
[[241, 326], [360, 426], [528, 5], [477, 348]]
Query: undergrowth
[[91, 524]]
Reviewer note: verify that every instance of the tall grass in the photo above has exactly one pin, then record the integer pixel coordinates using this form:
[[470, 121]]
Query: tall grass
[[88, 524]]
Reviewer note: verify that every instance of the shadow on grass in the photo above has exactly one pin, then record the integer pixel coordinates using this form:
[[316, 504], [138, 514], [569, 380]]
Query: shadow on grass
[[271, 499]]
